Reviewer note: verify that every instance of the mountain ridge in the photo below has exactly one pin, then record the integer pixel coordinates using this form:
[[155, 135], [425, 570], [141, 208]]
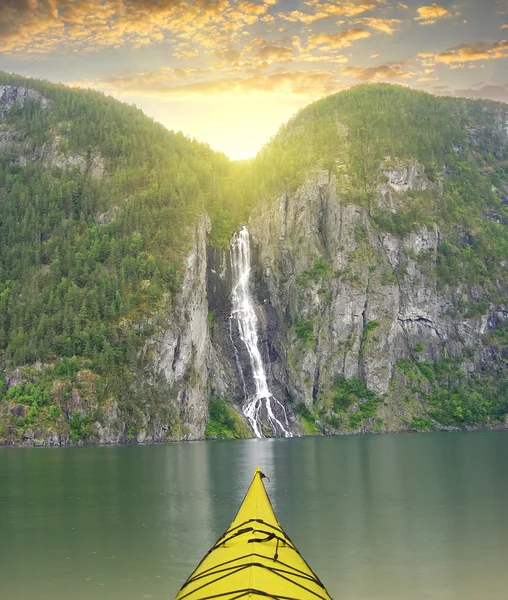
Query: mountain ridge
[[121, 236]]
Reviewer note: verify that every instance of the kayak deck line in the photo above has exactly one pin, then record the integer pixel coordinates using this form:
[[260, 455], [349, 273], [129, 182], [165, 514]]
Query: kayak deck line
[[254, 557]]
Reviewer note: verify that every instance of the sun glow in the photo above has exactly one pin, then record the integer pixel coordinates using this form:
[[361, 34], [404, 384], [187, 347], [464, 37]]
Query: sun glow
[[239, 127]]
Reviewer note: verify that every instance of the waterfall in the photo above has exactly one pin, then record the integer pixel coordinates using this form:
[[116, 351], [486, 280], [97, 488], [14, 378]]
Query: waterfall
[[262, 404]]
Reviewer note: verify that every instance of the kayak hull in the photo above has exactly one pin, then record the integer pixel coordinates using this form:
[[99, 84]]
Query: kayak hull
[[253, 558]]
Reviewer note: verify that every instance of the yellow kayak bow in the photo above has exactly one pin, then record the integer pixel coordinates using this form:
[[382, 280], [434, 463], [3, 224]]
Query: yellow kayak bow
[[253, 558]]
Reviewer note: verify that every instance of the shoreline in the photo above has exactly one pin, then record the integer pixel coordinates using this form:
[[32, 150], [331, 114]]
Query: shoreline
[[82, 444]]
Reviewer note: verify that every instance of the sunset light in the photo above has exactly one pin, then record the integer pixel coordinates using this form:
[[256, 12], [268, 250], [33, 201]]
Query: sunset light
[[231, 72], [253, 249]]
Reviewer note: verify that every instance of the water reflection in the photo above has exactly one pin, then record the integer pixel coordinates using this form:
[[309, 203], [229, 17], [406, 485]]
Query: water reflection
[[378, 517]]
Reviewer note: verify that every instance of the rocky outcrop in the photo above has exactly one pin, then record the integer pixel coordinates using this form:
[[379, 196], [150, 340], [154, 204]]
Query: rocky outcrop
[[183, 355], [51, 154], [17, 97], [351, 300], [180, 351], [181, 369], [345, 286], [404, 176]]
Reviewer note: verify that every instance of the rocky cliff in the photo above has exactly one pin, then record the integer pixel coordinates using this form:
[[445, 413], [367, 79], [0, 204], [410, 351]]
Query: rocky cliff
[[353, 301], [23, 149], [381, 292], [378, 274]]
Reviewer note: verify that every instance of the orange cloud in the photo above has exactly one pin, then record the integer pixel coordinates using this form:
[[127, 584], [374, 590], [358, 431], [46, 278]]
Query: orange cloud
[[274, 53], [297, 16], [385, 25], [41, 26], [427, 15], [382, 72], [427, 59], [473, 52], [348, 8], [342, 39], [338, 59], [166, 84], [186, 54]]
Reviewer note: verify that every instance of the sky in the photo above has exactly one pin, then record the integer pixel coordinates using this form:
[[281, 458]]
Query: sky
[[230, 72]]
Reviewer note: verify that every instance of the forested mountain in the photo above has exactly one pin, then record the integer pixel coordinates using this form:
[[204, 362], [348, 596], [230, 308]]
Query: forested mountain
[[378, 217], [97, 208], [391, 258], [461, 144]]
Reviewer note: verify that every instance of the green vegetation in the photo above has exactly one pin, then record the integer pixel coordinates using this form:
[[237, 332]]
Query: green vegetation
[[498, 337], [453, 396], [422, 424], [366, 410], [307, 419], [356, 132], [304, 330], [321, 270], [406, 220], [224, 422], [89, 252], [61, 399], [79, 426], [350, 405], [369, 327], [91, 255], [352, 132], [346, 393]]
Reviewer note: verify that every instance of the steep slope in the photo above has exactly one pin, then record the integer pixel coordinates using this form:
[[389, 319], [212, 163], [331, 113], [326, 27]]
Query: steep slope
[[377, 221], [102, 241], [383, 248]]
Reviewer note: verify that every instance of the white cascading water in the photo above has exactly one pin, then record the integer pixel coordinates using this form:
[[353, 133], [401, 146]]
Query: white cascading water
[[243, 312]]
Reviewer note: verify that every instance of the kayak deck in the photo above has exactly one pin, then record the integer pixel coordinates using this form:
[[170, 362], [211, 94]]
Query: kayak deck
[[254, 557]]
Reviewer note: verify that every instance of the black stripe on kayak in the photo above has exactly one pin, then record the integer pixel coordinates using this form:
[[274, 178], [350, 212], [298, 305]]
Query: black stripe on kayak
[[279, 529], [270, 536], [214, 570], [239, 531], [229, 531], [241, 568], [250, 592], [312, 577]]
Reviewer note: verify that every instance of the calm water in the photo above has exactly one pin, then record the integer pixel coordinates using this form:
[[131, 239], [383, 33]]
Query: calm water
[[384, 517]]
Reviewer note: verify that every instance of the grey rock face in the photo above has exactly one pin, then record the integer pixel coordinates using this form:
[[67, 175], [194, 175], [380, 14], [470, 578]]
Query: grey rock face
[[12, 96], [365, 298], [335, 296], [50, 154], [182, 352], [403, 176]]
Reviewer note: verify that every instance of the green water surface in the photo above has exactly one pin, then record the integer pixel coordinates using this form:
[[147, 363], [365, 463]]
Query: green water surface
[[377, 517]]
